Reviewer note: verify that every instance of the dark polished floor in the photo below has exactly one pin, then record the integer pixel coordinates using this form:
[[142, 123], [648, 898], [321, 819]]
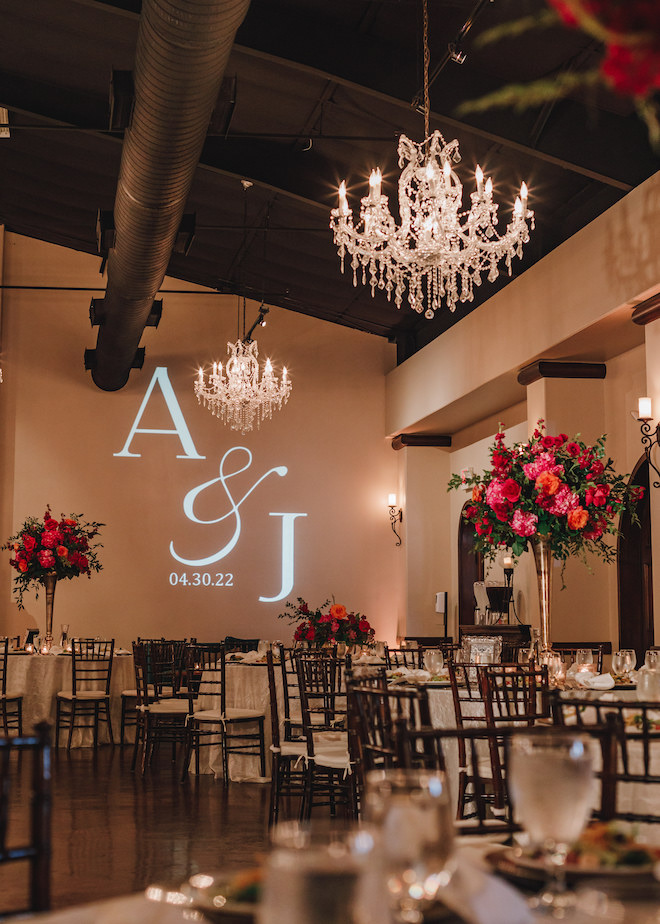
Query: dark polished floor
[[115, 831]]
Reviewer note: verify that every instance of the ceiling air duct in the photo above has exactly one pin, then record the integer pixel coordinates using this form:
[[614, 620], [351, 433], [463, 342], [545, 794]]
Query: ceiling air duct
[[182, 51]]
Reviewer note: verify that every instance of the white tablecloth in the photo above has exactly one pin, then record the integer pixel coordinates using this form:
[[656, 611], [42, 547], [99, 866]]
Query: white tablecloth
[[40, 677]]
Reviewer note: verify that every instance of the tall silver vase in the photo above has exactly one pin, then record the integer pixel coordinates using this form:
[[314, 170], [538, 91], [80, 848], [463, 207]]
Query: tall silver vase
[[50, 582], [542, 549]]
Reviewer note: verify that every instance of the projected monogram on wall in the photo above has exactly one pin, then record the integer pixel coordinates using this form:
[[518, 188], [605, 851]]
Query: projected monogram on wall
[[234, 462]]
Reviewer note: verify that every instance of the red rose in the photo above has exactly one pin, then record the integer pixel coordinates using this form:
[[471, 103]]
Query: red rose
[[597, 469], [511, 490], [50, 523], [364, 626], [29, 543], [309, 635], [573, 450]]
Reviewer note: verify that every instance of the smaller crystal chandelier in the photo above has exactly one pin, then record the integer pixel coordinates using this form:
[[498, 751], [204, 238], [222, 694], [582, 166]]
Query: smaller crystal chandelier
[[243, 394], [439, 251]]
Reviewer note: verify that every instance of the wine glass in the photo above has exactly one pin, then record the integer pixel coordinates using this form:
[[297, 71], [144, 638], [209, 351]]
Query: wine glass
[[413, 811], [433, 661], [551, 782], [623, 662]]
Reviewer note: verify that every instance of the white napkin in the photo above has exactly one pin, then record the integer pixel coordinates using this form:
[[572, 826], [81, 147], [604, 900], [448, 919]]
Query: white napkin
[[122, 651], [595, 681], [56, 649], [368, 659], [481, 898], [247, 657]]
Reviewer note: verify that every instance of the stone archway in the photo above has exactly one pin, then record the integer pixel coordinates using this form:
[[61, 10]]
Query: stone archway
[[635, 572], [470, 569]]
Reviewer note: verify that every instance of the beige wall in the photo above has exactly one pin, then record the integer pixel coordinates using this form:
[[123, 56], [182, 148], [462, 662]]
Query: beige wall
[[61, 435], [575, 305]]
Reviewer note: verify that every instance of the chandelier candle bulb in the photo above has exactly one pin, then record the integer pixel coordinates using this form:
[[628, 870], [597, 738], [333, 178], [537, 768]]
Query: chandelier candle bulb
[[374, 186], [480, 180], [489, 187], [523, 196], [446, 169], [343, 201]]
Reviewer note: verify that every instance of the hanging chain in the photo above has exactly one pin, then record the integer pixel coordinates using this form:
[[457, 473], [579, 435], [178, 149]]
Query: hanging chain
[[427, 62]]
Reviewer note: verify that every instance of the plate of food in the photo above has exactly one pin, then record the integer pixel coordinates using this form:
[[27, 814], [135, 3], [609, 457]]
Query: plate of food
[[604, 849], [218, 897]]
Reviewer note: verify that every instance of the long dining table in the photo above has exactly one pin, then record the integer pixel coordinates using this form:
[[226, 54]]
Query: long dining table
[[39, 678]]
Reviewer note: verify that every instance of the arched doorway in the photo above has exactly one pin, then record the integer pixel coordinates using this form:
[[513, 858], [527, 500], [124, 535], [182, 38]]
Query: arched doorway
[[470, 569], [635, 572]]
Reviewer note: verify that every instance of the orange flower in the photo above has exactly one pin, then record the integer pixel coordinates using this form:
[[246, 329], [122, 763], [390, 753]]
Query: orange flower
[[477, 492], [62, 551], [577, 519], [547, 484], [337, 611]]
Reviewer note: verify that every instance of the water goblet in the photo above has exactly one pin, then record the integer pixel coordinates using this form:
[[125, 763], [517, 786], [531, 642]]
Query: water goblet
[[652, 659], [524, 655], [262, 647], [584, 656], [624, 662], [552, 784], [433, 661], [412, 810], [319, 873]]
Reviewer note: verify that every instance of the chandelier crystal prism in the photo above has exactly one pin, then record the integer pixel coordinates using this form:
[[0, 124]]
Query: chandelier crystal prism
[[243, 394], [438, 252]]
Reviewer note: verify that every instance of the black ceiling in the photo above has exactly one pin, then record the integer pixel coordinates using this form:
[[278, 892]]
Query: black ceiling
[[315, 91]]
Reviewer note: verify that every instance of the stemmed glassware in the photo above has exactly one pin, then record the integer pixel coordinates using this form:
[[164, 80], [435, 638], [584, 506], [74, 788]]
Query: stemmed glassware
[[434, 661], [319, 873], [412, 810], [551, 783], [624, 662]]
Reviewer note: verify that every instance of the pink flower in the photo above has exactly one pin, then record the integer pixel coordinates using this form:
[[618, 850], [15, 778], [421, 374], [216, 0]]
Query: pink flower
[[524, 524], [46, 559], [563, 501], [544, 462], [51, 538]]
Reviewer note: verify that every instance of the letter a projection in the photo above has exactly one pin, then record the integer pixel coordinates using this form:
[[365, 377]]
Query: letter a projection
[[161, 378]]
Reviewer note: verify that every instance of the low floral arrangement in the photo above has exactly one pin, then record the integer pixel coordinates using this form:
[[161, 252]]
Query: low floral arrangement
[[560, 489], [336, 624], [64, 548]]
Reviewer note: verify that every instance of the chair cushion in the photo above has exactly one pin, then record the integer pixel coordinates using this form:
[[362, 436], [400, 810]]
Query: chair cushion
[[11, 695], [83, 694], [169, 707], [208, 715], [292, 748], [234, 714], [334, 760], [132, 694]]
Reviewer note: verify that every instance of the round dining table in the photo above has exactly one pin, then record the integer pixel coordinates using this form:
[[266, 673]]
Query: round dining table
[[39, 678]]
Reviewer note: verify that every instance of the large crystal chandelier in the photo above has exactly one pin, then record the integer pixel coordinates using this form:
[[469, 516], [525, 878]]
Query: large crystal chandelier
[[243, 394], [438, 252]]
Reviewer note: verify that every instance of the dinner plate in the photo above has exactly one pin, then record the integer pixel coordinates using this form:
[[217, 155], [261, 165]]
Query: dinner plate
[[207, 895], [512, 863]]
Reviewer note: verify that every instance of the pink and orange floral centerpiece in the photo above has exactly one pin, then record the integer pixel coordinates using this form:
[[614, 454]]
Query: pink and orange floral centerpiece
[[330, 624], [51, 550], [559, 495]]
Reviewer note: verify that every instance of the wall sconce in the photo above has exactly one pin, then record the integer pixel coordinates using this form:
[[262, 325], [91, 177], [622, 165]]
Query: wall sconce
[[649, 437], [396, 515]]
